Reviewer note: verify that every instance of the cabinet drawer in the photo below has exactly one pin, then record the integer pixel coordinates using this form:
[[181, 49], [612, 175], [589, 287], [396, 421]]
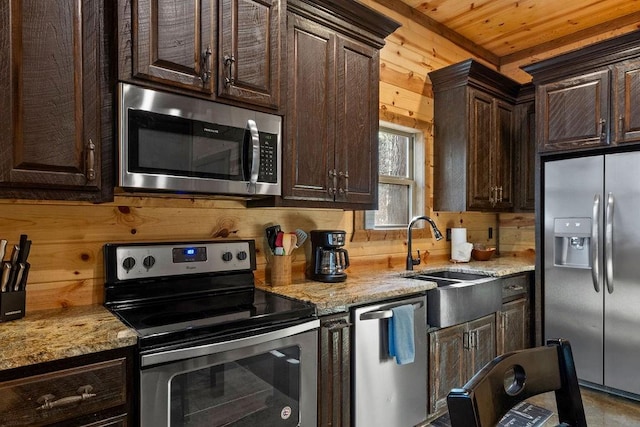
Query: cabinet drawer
[[515, 287], [58, 396]]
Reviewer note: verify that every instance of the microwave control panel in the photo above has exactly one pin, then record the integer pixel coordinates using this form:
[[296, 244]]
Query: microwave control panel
[[268, 158]]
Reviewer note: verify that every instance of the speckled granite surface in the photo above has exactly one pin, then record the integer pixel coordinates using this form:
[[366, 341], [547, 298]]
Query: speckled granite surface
[[366, 288], [47, 335]]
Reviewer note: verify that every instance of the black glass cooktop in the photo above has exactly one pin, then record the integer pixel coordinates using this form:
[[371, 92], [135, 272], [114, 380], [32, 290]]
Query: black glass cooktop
[[211, 315]]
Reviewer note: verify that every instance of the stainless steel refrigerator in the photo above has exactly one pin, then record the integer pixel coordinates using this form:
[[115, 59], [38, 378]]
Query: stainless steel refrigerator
[[592, 265]]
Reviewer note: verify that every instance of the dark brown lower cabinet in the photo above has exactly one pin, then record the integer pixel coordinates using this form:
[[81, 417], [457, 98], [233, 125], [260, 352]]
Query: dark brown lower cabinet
[[91, 390], [456, 353], [334, 371], [513, 327]]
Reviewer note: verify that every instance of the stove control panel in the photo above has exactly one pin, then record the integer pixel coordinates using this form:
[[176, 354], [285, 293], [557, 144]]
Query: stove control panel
[[141, 261]]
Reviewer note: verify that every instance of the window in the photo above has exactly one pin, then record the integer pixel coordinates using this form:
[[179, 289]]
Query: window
[[401, 177]]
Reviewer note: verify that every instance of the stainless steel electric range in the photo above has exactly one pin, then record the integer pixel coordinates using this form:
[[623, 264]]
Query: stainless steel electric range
[[213, 349]]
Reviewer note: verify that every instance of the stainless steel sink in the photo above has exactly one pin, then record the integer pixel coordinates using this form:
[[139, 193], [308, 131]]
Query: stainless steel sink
[[460, 297], [456, 275]]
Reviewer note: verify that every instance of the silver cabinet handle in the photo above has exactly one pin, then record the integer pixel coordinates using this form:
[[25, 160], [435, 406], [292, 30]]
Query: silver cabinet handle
[[255, 149], [205, 74], [333, 184], [229, 60], [621, 126], [608, 243], [602, 129], [595, 235], [344, 176], [91, 161], [47, 401], [385, 314]]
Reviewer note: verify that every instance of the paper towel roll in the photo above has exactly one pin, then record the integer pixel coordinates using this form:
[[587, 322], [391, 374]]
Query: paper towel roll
[[458, 240], [458, 235]]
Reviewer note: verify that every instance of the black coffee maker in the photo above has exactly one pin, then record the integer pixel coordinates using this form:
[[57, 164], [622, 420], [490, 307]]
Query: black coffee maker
[[329, 259]]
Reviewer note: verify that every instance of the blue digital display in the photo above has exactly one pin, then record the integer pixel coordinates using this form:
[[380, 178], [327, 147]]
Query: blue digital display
[[190, 254]]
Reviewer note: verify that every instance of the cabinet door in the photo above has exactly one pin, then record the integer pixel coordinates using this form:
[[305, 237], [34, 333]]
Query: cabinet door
[[513, 327], [482, 345], [50, 109], [626, 108], [356, 147], [334, 388], [501, 154], [174, 42], [480, 181], [447, 348], [311, 112], [250, 51], [574, 112], [63, 395], [525, 157]]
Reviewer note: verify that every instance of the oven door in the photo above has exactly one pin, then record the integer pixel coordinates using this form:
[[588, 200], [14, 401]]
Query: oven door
[[268, 379]]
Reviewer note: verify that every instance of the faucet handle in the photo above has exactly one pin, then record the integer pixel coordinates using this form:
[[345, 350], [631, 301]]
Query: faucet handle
[[416, 261]]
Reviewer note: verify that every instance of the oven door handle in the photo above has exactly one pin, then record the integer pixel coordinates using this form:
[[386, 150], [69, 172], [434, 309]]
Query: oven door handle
[[219, 347]]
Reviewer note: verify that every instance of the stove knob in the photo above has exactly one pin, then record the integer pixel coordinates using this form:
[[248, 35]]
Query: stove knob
[[242, 255], [227, 256], [148, 262], [128, 263]]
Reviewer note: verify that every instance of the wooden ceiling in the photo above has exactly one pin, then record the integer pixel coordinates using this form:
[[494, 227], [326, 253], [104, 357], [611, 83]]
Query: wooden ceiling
[[504, 31]]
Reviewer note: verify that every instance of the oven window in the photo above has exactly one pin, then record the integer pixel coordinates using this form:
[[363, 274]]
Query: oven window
[[164, 144], [262, 390]]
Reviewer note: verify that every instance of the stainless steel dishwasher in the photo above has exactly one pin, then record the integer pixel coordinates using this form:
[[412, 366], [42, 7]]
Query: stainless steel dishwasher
[[385, 393]]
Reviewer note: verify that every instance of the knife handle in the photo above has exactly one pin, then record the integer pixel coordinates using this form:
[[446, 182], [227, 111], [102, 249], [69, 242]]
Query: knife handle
[[6, 275], [21, 277]]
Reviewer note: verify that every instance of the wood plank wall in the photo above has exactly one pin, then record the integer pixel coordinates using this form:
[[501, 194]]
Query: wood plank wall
[[66, 256]]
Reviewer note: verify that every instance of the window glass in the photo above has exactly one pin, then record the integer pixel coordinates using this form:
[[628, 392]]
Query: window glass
[[394, 154], [393, 200], [397, 183]]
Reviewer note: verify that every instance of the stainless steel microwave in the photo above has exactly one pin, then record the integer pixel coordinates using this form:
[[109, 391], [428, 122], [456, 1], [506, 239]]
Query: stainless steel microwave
[[175, 143]]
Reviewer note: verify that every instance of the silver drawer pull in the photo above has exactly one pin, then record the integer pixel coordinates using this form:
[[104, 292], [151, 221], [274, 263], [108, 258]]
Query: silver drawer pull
[[515, 288], [47, 401], [385, 314]]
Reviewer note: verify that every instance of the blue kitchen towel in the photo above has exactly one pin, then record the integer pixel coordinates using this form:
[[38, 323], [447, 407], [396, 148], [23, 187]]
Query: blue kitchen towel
[[401, 339]]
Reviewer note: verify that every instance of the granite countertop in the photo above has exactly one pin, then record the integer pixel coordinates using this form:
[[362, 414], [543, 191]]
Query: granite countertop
[[47, 335], [375, 286]]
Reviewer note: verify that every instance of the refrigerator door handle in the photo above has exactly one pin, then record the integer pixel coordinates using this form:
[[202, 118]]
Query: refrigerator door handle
[[595, 234], [608, 243]]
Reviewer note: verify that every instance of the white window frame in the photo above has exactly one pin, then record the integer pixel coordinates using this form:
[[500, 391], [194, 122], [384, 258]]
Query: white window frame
[[416, 182]]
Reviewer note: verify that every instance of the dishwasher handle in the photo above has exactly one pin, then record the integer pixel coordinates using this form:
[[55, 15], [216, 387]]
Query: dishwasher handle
[[386, 314]]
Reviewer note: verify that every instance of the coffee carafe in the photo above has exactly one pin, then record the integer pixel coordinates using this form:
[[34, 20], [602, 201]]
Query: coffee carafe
[[329, 258]]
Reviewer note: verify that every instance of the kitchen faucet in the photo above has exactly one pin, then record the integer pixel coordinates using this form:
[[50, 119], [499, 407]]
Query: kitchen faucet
[[436, 233]]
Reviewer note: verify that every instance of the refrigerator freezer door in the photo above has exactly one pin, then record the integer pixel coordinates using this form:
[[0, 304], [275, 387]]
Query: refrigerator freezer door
[[572, 308], [622, 306]]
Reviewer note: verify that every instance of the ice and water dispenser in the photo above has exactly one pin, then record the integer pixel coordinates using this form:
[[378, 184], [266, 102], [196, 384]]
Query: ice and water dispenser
[[572, 242]]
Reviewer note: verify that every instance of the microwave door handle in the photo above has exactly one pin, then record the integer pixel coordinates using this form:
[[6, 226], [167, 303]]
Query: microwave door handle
[[255, 150]]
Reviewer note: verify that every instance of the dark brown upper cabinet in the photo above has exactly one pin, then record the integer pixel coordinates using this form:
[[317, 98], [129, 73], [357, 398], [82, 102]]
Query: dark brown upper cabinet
[[587, 99], [626, 108], [524, 172], [55, 108], [228, 50], [475, 128], [331, 136], [250, 48], [574, 112]]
